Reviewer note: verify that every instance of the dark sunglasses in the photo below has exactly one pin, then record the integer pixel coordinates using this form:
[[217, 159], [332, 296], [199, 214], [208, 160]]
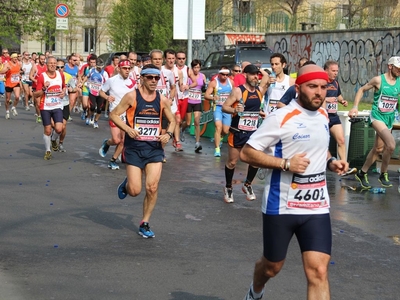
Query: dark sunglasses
[[150, 77], [237, 71], [126, 68], [181, 58], [60, 67]]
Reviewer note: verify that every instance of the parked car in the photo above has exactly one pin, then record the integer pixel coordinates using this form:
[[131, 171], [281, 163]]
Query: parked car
[[258, 54], [107, 57]]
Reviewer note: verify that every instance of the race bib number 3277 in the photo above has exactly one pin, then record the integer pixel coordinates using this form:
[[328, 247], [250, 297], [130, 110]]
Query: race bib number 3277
[[149, 128]]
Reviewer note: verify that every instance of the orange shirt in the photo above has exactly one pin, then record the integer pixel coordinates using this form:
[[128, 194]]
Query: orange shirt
[[13, 76]]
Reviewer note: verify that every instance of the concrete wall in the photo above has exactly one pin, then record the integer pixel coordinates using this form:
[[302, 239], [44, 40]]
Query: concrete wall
[[362, 54]]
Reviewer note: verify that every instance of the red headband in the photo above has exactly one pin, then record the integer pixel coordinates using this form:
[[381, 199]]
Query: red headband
[[124, 63], [311, 76]]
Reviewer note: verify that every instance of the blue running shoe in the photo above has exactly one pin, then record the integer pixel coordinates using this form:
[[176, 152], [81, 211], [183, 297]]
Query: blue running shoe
[[145, 231], [104, 148], [83, 115], [113, 165], [122, 193]]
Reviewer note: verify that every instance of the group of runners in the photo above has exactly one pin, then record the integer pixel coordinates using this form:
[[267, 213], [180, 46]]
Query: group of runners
[[151, 104]]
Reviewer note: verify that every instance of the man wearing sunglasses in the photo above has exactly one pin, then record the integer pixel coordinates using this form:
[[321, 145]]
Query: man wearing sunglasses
[[116, 87], [66, 112], [144, 142], [218, 91], [5, 55], [50, 90]]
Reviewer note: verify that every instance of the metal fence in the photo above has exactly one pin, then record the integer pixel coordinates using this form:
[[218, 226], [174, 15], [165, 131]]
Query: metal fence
[[280, 21]]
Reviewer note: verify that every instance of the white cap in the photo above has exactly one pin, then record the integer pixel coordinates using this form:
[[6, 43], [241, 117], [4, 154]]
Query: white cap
[[224, 71], [394, 60]]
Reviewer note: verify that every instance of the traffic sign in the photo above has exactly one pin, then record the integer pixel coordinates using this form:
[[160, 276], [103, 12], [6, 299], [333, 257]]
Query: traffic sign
[[62, 10], [61, 23]]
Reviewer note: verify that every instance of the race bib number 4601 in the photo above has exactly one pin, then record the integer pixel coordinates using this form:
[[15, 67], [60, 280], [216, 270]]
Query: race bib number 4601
[[149, 128], [308, 191]]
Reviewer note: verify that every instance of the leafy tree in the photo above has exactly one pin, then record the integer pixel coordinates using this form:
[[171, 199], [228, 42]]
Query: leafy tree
[[141, 24], [35, 18]]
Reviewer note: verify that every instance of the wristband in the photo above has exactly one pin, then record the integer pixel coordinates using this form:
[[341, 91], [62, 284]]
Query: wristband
[[287, 165], [44, 89], [171, 135], [329, 161], [283, 165]]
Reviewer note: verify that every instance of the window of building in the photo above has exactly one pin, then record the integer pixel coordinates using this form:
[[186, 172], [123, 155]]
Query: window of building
[[90, 6], [89, 40]]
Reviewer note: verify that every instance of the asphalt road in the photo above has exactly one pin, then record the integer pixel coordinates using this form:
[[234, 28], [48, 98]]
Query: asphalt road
[[64, 234]]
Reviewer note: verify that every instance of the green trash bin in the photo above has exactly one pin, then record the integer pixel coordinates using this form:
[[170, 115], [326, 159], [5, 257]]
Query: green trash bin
[[362, 138]]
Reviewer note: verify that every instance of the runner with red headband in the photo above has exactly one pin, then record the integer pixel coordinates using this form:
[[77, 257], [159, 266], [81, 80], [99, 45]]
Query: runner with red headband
[[292, 145], [116, 87]]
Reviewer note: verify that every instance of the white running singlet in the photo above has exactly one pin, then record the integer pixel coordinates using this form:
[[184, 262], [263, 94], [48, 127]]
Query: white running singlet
[[288, 131]]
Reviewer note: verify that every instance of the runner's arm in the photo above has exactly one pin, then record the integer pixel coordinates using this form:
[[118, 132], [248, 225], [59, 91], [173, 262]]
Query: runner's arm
[[234, 97], [373, 83]]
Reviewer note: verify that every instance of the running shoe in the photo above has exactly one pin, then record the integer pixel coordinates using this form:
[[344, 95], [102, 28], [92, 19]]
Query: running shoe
[[197, 147], [178, 147], [95, 125], [54, 145], [217, 152], [87, 121], [164, 160], [248, 190], [7, 115], [27, 108], [182, 135], [14, 111], [363, 179], [38, 119], [249, 296], [31, 103], [145, 231], [91, 121], [384, 180], [104, 148], [113, 165], [61, 148], [47, 155], [350, 171], [83, 116], [69, 119], [228, 195], [106, 115], [122, 193]]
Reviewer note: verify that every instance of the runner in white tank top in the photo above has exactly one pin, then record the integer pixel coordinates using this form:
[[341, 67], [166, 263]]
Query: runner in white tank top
[[278, 84]]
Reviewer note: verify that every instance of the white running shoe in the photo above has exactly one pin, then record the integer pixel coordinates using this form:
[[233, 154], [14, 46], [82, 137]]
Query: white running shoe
[[248, 190], [228, 195], [14, 111]]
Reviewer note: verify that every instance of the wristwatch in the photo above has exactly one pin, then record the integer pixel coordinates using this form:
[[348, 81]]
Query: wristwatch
[[171, 135]]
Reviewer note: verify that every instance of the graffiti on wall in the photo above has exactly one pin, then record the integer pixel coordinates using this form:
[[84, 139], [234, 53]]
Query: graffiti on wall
[[245, 38], [359, 59], [202, 48], [216, 42]]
